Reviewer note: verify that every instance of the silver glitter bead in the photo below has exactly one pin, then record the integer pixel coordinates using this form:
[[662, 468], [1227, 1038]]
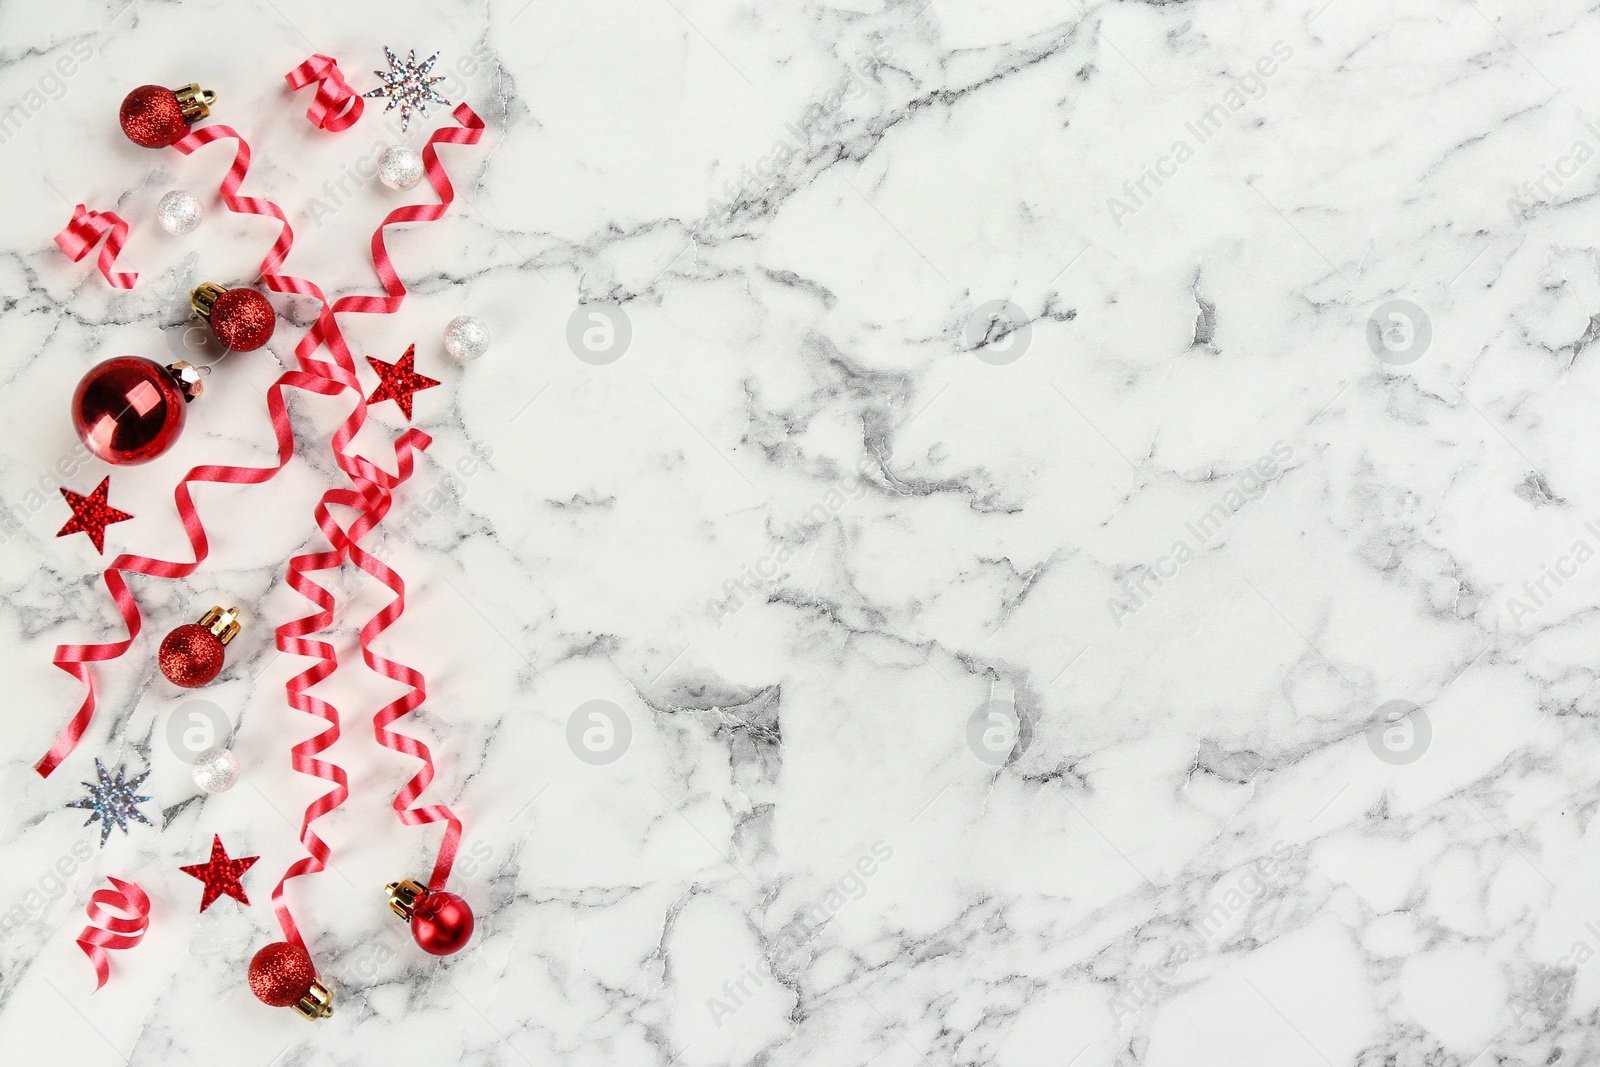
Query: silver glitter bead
[[399, 167], [179, 212], [215, 770], [466, 338]]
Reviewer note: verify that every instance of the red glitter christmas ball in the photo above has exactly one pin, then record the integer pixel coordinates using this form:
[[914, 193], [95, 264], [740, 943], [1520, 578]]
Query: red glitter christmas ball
[[151, 116], [190, 656], [128, 410], [243, 320], [441, 923], [281, 974]]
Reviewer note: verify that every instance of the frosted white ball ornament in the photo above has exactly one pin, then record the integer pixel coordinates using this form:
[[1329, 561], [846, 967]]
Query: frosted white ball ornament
[[215, 770], [466, 338], [179, 212], [400, 167]]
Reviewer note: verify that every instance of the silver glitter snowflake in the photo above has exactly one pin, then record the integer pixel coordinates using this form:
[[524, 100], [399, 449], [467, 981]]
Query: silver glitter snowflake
[[407, 86], [113, 801]]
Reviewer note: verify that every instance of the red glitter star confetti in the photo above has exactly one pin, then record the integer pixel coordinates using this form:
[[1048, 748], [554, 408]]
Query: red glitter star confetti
[[400, 380], [220, 874], [92, 514]]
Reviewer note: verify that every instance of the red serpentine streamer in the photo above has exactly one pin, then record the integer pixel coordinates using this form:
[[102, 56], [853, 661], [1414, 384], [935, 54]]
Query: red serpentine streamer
[[333, 94], [85, 231], [106, 930], [315, 376], [402, 706], [373, 488], [373, 500], [251, 205], [371, 497], [294, 637], [74, 658]]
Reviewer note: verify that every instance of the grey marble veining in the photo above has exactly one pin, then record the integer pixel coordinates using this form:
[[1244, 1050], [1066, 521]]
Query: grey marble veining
[[988, 533]]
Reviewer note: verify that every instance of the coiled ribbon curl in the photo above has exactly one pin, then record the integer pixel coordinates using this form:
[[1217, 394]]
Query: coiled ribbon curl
[[370, 496], [109, 931], [85, 231], [336, 106]]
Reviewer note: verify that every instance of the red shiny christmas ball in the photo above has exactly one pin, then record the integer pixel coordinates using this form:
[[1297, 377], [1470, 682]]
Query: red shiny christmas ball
[[281, 974], [128, 410], [152, 116], [243, 320], [441, 922], [190, 656]]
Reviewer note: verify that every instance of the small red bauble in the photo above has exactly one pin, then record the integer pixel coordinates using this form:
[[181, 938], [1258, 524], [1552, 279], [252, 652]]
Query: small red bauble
[[192, 654], [241, 319], [441, 922], [155, 117], [130, 409], [283, 976]]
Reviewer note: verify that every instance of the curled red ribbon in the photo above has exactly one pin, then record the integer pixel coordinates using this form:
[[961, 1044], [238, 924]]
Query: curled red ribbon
[[74, 658], [470, 132], [372, 499], [85, 231], [252, 205], [371, 496], [374, 488], [404, 705], [109, 931], [336, 106], [314, 377]]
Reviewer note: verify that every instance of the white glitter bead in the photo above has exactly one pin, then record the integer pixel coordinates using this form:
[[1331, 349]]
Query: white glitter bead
[[399, 167], [466, 338], [215, 770], [179, 212]]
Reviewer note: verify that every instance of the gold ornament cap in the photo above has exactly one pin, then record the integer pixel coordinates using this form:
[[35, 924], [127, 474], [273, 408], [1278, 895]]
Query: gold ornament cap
[[222, 622], [195, 102], [317, 1003], [404, 895], [203, 298]]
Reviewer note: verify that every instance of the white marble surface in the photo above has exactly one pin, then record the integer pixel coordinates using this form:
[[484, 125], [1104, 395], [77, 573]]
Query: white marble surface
[[804, 531]]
